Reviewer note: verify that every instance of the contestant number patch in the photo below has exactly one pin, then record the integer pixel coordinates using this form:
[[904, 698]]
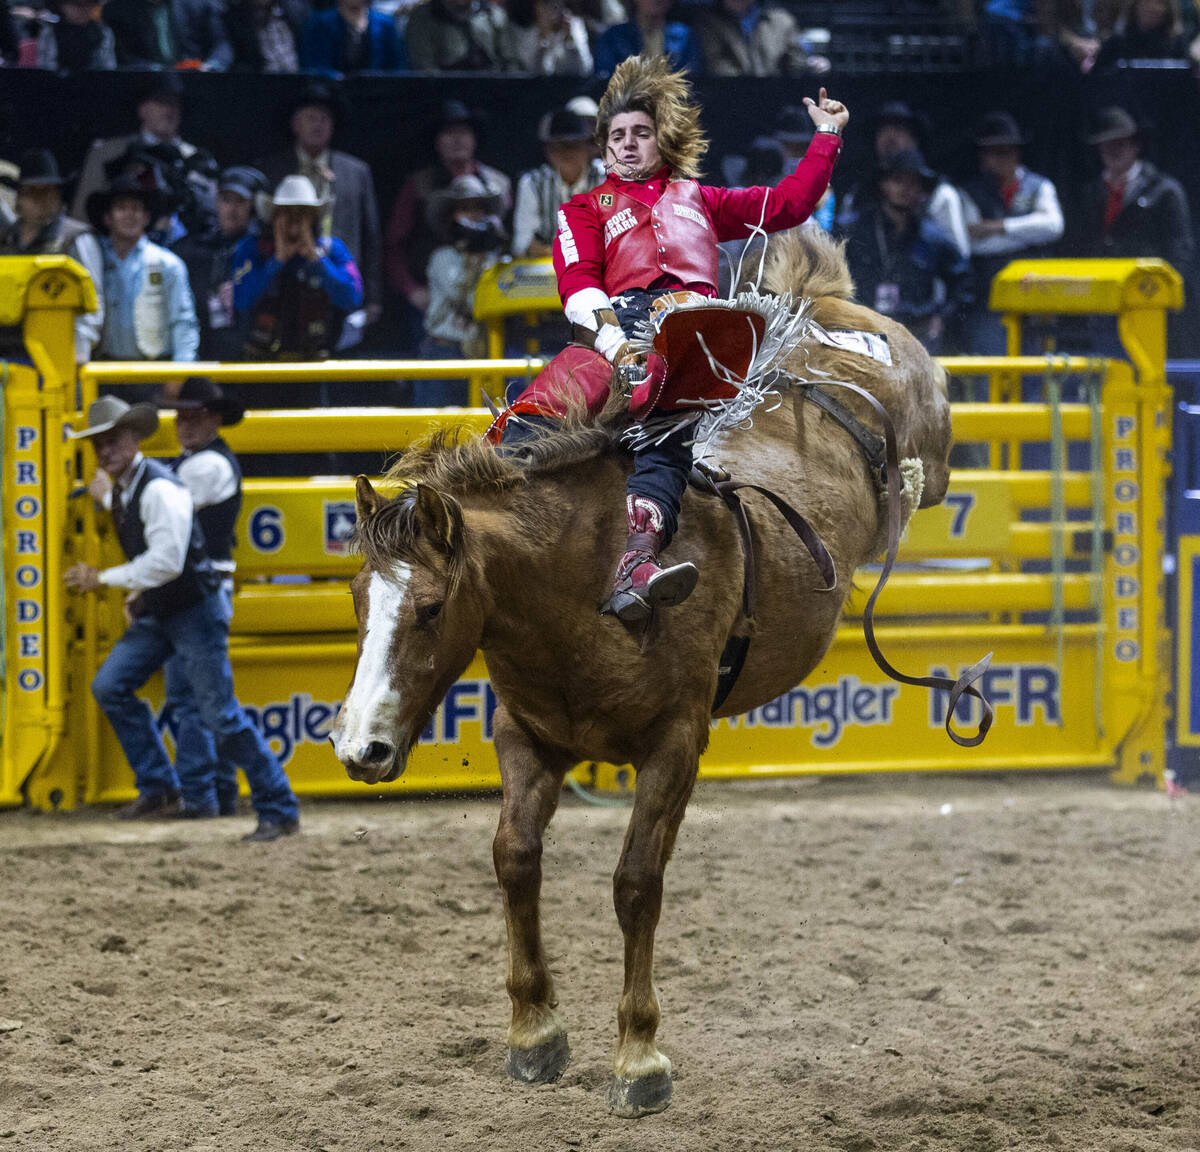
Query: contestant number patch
[[606, 200]]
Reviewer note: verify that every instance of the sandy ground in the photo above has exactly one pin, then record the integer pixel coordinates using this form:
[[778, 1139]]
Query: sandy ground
[[843, 965]]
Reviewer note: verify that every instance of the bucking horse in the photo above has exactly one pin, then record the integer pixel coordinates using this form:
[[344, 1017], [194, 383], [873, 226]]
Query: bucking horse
[[509, 553]]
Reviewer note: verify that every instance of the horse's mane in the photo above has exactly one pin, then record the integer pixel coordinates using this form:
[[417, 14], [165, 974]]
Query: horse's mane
[[457, 460], [807, 262]]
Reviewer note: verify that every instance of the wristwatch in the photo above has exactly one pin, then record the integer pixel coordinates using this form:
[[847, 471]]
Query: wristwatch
[[832, 129]]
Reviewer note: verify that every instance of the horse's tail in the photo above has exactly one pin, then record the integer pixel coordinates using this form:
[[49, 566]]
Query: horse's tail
[[807, 262]]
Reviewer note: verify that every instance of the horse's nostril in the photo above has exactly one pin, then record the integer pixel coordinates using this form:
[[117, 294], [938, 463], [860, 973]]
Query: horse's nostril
[[377, 752]]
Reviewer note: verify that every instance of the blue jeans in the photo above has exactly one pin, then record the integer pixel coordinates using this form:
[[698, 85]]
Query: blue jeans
[[199, 636], [208, 783]]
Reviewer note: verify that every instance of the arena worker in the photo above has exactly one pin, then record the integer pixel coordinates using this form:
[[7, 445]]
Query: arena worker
[[212, 474], [174, 607], [650, 230]]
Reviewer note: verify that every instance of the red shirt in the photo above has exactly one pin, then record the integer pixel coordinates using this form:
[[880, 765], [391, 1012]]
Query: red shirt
[[581, 251]]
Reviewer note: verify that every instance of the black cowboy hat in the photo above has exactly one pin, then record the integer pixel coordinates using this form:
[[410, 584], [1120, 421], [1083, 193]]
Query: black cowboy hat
[[565, 127], [905, 161], [201, 392], [319, 95], [793, 125], [148, 186], [898, 112], [38, 166], [998, 130], [1112, 123]]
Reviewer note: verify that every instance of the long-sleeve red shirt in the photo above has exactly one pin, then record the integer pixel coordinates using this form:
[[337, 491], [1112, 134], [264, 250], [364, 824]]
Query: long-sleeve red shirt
[[580, 245]]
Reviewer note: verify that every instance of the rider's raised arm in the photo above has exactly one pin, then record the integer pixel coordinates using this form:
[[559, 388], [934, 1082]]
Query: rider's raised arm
[[735, 210]]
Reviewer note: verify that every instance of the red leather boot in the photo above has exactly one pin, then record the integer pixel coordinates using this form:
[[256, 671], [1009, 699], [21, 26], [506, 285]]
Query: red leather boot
[[640, 583]]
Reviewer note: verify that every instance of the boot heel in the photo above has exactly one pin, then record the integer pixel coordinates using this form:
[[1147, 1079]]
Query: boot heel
[[672, 585]]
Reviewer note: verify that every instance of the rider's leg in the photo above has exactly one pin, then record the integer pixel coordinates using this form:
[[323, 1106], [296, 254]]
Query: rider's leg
[[653, 497]]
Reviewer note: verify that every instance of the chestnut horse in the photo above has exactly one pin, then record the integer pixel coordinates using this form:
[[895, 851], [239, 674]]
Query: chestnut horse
[[513, 555]]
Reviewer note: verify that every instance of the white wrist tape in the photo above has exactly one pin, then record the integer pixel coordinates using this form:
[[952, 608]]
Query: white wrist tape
[[581, 307], [609, 341]]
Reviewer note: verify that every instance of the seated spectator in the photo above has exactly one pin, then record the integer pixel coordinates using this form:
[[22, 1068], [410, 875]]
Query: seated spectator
[[342, 182], [148, 308], [748, 38], [902, 264], [599, 15], [1147, 30], [648, 32], [159, 110], [409, 243], [1011, 213], [1134, 209], [42, 227], [208, 257], [570, 168], [265, 34], [547, 39], [163, 33], [351, 37], [77, 41], [294, 287], [898, 129], [465, 216], [459, 36]]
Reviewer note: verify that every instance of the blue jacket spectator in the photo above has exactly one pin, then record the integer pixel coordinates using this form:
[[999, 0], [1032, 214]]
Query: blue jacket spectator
[[351, 38], [648, 32], [295, 287]]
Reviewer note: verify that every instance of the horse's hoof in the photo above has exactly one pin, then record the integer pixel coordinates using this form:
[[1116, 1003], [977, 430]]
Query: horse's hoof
[[640, 1097], [539, 1065]]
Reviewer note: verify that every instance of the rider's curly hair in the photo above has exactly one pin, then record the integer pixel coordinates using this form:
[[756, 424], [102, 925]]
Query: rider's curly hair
[[647, 84]]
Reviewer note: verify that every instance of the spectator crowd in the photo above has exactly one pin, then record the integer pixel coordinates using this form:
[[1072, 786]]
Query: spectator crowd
[[290, 257]]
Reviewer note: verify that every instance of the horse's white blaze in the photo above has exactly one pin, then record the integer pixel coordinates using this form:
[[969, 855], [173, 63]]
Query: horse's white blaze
[[371, 710]]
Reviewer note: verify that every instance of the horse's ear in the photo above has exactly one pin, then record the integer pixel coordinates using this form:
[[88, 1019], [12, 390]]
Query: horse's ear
[[439, 518], [366, 499]]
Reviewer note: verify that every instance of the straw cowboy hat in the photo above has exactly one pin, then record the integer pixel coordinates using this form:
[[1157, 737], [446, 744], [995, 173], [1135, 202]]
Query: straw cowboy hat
[[110, 413], [201, 392]]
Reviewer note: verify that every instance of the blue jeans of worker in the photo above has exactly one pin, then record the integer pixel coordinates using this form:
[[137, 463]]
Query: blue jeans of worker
[[207, 783], [200, 637]]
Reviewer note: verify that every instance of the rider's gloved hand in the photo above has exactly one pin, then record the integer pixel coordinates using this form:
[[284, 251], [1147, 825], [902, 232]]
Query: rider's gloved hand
[[646, 390]]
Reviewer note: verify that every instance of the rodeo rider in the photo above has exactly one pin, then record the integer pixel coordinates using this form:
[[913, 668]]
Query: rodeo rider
[[648, 230], [174, 608]]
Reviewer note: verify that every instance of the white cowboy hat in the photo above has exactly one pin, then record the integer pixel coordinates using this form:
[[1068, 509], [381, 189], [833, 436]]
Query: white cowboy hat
[[294, 191], [110, 412]]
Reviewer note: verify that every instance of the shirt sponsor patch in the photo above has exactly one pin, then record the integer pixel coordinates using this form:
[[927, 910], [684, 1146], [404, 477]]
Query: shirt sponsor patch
[[566, 241], [621, 222], [690, 214]]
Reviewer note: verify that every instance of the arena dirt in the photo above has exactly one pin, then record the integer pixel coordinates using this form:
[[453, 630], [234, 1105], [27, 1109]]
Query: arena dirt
[[843, 965]]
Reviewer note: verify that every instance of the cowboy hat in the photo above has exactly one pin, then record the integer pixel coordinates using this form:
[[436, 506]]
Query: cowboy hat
[[318, 95], [110, 412], [242, 180], [147, 186], [1112, 124], [998, 130], [565, 127], [908, 160], [201, 392], [465, 189], [39, 167]]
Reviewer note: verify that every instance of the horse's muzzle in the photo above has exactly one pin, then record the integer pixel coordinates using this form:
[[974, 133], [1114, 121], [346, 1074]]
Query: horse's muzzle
[[376, 761]]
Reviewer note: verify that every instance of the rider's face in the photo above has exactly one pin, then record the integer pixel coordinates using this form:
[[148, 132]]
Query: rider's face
[[632, 150]]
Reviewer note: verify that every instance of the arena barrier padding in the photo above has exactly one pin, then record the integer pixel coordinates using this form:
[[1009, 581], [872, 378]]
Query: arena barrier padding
[[1047, 551]]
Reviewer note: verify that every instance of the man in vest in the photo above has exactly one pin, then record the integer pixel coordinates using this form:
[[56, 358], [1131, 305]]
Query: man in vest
[[174, 608], [213, 477], [1011, 214], [43, 228], [649, 230], [149, 311]]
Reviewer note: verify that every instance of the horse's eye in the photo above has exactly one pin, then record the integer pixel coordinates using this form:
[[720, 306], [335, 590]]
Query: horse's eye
[[427, 613]]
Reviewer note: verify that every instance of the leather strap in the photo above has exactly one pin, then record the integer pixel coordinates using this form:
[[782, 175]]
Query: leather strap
[[965, 684]]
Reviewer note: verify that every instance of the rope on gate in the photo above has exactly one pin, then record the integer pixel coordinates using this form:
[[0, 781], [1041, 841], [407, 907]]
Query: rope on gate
[[1058, 513], [1094, 384]]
